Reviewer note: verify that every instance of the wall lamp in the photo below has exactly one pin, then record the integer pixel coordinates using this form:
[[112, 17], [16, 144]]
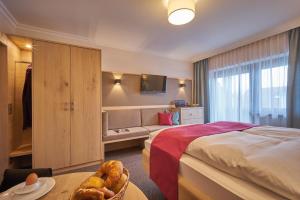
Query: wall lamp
[[117, 81], [182, 85]]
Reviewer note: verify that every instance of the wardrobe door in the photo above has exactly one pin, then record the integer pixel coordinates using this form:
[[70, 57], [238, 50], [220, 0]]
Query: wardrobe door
[[51, 103], [86, 105]]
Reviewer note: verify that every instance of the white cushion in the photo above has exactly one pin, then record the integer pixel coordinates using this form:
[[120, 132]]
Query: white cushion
[[125, 133]]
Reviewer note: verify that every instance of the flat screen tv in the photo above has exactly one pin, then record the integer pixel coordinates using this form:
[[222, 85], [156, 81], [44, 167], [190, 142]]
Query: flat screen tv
[[153, 83]]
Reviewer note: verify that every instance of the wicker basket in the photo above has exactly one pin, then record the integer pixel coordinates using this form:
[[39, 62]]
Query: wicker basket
[[120, 194]]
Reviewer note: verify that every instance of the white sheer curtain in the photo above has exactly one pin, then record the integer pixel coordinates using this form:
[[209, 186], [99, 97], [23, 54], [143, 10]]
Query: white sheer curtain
[[249, 84]]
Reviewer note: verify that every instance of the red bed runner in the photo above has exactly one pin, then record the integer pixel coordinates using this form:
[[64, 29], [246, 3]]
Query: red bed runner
[[169, 145]]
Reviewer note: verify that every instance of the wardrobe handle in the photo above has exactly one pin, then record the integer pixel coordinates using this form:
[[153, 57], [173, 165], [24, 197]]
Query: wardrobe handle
[[66, 106], [72, 106]]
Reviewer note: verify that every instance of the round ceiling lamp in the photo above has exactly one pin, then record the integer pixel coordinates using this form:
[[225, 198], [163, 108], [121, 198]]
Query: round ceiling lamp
[[181, 11]]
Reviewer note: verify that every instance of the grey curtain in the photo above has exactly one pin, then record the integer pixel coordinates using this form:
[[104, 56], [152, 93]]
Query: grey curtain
[[293, 91], [200, 87]]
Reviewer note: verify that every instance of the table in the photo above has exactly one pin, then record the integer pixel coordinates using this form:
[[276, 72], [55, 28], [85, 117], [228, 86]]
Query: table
[[67, 183]]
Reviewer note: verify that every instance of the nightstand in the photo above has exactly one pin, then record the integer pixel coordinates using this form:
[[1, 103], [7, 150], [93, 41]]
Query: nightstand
[[192, 115]]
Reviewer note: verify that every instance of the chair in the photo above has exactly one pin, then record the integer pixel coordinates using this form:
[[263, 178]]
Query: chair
[[13, 177]]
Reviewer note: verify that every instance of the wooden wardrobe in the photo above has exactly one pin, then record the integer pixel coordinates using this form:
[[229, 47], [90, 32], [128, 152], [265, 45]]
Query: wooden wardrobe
[[66, 104]]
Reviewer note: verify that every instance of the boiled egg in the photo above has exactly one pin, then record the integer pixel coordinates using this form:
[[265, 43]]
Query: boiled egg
[[31, 179]]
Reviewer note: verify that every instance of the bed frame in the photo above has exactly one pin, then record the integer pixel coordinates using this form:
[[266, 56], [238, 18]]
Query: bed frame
[[208, 189]]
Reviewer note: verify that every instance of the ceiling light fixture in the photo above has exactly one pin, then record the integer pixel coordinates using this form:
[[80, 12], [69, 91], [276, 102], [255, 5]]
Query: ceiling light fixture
[[181, 11]]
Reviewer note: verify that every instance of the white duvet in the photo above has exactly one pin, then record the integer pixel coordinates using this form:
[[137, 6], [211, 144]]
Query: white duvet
[[267, 156]]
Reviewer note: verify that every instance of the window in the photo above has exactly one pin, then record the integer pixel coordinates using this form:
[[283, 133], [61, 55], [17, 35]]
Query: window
[[252, 92], [274, 85]]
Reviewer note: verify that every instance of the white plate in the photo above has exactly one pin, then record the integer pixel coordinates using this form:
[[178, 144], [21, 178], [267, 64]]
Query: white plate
[[47, 183], [22, 188]]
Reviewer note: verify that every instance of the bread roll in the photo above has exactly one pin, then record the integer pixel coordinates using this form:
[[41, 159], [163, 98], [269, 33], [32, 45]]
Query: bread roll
[[89, 194], [107, 193], [92, 182], [113, 169]]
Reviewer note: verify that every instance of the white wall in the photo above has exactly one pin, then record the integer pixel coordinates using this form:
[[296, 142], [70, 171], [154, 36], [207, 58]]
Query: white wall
[[138, 63], [114, 60]]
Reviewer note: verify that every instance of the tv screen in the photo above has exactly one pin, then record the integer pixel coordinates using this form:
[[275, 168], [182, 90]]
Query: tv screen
[[153, 83]]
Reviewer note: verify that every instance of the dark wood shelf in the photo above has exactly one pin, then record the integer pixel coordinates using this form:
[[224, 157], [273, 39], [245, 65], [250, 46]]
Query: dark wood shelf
[[23, 150]]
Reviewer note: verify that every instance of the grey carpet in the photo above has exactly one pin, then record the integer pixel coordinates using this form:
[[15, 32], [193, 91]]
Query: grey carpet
[[132, 160]]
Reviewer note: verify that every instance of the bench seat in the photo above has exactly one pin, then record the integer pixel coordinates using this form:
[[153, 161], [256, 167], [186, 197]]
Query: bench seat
[[119, 134]]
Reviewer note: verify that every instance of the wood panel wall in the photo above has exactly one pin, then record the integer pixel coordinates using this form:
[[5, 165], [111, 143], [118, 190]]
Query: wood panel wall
[[128, 92], [3, 110], [10, 139], [13, 56]]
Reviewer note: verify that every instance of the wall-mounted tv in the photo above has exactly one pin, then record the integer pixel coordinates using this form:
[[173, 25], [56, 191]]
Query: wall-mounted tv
[[153, 83]]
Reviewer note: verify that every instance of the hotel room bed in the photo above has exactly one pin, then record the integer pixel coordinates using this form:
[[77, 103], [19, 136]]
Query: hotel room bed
[[258, 163]]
